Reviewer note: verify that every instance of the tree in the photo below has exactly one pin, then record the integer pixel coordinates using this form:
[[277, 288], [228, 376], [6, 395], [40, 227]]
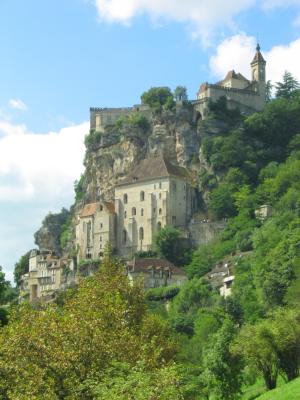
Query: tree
[[288, 85], [21, 267], [167, 243], [222, 367], [67, 351], [221, 202], [256, 344], [180, 93], [158, 98]]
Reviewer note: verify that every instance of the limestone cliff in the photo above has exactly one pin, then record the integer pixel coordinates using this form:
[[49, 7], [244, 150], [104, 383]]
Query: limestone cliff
[[111, 154]]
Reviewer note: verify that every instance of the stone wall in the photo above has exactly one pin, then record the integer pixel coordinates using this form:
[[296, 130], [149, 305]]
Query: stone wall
[[203, 233]]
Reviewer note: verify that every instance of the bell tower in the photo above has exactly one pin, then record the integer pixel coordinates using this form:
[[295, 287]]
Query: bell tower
[[258, 69]]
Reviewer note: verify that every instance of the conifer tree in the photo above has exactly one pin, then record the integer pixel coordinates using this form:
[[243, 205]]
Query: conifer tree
[[288, 85]]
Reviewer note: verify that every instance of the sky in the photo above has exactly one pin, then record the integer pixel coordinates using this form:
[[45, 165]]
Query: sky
[[61, 57]]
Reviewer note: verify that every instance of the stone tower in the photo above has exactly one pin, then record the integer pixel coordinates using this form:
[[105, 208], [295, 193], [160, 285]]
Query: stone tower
[[258, 67]]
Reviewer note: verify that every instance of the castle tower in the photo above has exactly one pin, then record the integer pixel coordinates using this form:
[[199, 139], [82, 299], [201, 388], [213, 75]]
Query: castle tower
[[258, 67]]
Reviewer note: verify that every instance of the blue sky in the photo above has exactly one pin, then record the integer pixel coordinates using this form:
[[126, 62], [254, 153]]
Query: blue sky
[[59, 57]]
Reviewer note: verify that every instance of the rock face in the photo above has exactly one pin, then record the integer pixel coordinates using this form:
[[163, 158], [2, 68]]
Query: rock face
[[173, 134], [48, 236]]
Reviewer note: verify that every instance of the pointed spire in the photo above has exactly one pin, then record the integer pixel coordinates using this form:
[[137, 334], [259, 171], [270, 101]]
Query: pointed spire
[[258, 58]]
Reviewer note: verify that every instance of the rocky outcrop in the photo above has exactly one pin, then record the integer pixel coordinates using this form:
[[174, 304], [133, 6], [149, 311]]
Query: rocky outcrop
[[48, 236]]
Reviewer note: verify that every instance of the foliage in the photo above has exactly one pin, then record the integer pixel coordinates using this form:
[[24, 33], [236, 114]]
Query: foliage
[[288, 85], [180, 93], [69, 352], [169, 245], [146, 254], [162, 293], [222, 367], [92, 140], [79, 187], [21, 267], [220, 110], [158, 99]]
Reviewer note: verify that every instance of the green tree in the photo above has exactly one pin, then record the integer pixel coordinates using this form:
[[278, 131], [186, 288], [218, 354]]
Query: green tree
[[221, 203], [257, 345], [167, 243], [158, 98], [180, 93], [288, 85], [21, 267], [222, 367]]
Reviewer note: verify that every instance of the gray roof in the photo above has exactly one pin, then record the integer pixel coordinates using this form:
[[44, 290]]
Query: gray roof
[[152, 168]]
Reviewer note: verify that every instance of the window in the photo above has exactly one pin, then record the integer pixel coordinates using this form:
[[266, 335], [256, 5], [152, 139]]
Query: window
[[125, 198], [125, 214], [142, 212], [154, 210], [142, 196], [160, 211], [133, 211], [124, 237], [101, 225], [141, 233], [100, 246], [159, 226], [160, 185], [101, 207], [100, 238]]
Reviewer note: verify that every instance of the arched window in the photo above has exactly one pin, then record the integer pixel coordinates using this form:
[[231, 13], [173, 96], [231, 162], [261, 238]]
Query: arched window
[[159, 226], [133, 211], [142, 212], [142, 196], [141, 233], [124, 237], [125, 198], [160, 211]]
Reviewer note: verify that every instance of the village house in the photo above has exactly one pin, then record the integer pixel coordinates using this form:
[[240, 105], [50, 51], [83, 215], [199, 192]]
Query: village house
[[155, 272]]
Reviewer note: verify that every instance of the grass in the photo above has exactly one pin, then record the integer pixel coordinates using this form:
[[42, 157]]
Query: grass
[[290, 391]]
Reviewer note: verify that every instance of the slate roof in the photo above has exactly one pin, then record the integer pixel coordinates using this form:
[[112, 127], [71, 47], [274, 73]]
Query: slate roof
[[154, 167], [233, 75], [139, 265], [258, 56]]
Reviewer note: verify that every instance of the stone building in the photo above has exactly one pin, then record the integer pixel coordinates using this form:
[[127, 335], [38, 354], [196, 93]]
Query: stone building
[[102, 117], [45, 275], [96, 226], [246, 95], [155, 194], [155, 272]]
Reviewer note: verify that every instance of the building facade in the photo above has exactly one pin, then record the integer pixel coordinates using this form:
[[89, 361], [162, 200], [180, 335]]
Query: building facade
[[155, 194], [96, 226]]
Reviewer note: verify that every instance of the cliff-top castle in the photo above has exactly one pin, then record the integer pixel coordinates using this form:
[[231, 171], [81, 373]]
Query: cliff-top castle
[[248, 95]]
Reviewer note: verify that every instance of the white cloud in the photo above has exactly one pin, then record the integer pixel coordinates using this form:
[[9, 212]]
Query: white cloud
[[17, 104], [36, 166], [203, 15], [37, 172], [237, 53]]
